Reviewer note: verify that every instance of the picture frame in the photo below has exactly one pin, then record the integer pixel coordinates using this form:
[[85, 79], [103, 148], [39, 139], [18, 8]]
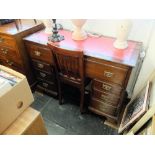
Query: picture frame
[[136, 108], [148, 128]]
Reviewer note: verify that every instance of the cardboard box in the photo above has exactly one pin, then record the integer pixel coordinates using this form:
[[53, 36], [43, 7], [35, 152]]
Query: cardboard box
[[15, 100], [4, 86]]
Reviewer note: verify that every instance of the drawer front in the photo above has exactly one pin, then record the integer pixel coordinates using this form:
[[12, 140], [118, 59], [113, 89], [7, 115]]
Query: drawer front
[[7, 52], [42, 66], [40, 53], [106, 72], [106, 98], [7, 41], [13, 65], [103, 107], [107, 87], [44, 76], [47, 85]]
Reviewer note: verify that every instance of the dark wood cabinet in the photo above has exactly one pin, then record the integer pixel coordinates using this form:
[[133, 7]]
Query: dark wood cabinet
[[107, 67], [12, 49]]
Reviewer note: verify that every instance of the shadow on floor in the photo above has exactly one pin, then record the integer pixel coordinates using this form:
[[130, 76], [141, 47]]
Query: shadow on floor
[[66, 119]]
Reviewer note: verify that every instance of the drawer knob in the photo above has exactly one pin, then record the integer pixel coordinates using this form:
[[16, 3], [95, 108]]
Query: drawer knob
[[106, 87], [1, 40], [108, 74], [19, 104], [45, 85], [40, 65], [37, 53], [10, 63], [42, 74], [4, 51], [103, 97]]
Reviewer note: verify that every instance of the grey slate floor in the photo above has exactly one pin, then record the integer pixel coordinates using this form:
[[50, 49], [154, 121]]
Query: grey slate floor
[[66, 119]]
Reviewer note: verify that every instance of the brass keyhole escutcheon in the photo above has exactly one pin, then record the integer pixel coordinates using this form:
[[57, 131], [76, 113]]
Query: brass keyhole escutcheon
[[20, 104]]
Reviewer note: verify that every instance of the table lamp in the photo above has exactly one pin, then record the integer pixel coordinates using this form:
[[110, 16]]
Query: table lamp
[[78, 33], [55, 36], [123, 29]]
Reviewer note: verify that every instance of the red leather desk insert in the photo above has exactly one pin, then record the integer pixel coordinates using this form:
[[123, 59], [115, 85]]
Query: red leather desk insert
[[98, 47]]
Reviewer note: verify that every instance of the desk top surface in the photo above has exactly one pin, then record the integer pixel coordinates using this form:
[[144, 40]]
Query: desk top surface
[[10, 29], [98, 47]]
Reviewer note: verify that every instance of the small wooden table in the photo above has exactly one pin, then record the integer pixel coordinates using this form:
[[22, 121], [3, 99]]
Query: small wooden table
[[30, 122]]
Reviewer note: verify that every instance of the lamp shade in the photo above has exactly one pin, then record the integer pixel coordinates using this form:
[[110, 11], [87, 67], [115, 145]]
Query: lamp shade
[[78, 33], [123, 29]]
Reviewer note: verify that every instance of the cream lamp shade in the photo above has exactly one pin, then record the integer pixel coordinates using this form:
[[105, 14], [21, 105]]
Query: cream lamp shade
[[123, 30], [78, 33]]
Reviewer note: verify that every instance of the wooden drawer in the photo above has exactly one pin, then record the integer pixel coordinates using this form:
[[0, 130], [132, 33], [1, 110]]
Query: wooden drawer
[[11, 60], [42, 66], [11, 64], [103, 107], [47, 85], [40, 53], [7, 52], [44, 76], [7, 41], [106, 71], [106, 98], [107, 87]]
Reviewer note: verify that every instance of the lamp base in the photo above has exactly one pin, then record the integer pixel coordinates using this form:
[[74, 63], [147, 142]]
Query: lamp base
[[56, 38], [120, 44], [79, 35]]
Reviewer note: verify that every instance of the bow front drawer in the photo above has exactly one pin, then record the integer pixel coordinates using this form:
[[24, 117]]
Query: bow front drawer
[[107, 87], [106, 71], [105, 97], [7, 41], [40, 53], [44, 75], [7, 52], [103, 107], [42, 66]]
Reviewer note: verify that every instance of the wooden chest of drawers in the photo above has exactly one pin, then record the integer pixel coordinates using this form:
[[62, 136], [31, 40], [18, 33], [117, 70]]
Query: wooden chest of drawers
[[41, 60], [12, 49]]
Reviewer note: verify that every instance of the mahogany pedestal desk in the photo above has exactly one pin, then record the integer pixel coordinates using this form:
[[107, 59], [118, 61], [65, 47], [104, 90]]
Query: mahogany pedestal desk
[[108, 67], [30, 122]]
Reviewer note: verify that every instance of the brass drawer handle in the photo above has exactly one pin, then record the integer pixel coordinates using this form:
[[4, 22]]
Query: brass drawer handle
[[10, 63], [108, 74], [42, 74], [40, 65], [4, 51], [45, 85], [1, 40], [37, 53], [19, 104], [106, 87], [103, 96]]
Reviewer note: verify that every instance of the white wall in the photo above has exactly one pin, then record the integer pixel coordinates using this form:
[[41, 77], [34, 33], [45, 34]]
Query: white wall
[[148, 67], [140, 29]]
